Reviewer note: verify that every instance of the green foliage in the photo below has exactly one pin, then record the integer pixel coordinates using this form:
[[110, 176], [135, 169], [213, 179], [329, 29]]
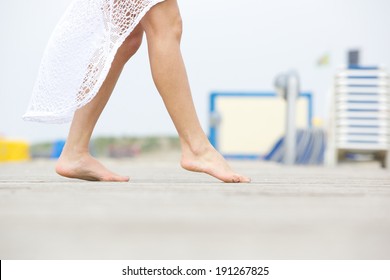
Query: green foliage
[[116, 146]]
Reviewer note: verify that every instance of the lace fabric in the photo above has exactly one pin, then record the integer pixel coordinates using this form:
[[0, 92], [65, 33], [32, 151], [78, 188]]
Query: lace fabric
[[79, 54]]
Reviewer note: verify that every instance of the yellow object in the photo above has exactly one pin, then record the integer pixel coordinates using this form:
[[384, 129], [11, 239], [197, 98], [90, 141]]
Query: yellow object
[[317, 122], [13, 150], [324, 60]]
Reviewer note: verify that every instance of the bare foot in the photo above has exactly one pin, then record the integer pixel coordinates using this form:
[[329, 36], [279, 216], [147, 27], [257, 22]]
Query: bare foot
[[211, 162], [85, 167]]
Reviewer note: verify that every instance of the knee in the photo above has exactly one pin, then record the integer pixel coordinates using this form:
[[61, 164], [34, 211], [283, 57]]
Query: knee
[[175, 29], [164, 28], [131, 45], [134, 41]]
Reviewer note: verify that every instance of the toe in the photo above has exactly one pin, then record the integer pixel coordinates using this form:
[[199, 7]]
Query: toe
[[236, 179], [240, 179], [116, 178], [246, 180]]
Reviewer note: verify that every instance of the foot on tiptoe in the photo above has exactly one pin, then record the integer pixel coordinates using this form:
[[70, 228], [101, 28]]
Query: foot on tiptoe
[[209, 161]]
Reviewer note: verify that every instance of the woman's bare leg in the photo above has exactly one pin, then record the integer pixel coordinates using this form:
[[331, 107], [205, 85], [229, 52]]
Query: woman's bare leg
[[163, 27], [75, 160]]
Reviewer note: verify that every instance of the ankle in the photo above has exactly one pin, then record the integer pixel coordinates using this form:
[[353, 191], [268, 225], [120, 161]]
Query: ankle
[[74, 151], [196, 148]]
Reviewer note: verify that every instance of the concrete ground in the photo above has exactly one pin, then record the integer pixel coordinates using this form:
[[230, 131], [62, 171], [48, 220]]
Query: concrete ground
[[168, 213]]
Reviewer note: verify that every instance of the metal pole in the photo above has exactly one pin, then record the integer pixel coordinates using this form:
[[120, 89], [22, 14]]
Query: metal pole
[[287, 85], [291, 96]]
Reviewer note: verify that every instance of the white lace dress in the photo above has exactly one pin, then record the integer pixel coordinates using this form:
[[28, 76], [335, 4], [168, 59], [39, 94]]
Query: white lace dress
[[79, 54]]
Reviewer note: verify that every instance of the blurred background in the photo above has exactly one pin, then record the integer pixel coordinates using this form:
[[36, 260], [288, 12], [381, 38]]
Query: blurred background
[[228, 46]]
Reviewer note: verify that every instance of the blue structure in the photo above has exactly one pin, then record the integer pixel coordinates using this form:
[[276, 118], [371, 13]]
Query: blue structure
[[310, 148], [57, 148], [213, 132]]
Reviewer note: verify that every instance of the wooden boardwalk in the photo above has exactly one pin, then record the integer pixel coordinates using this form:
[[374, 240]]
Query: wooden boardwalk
[[168, 213]]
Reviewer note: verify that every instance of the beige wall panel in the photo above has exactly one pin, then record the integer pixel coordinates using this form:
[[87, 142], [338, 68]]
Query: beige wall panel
[[252, 125]]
